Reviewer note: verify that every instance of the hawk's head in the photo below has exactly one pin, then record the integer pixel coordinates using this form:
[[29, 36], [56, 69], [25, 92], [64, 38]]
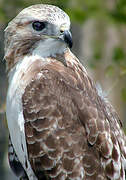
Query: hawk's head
[[39, 29]]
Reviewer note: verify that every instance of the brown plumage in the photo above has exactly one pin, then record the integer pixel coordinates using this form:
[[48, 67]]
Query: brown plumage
[[68, 128], [71, 132]]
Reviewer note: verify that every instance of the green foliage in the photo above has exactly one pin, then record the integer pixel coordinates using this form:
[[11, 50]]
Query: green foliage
[[123, 94], [2, 15], [123, 70], [77, 15], [118, 55], [110, 71], [96, 58], [119, 13]]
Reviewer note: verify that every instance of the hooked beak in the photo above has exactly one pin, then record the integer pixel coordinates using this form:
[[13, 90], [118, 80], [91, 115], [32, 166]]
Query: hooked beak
[[67, 37]]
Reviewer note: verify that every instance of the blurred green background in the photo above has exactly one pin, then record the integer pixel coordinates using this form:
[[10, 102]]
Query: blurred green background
[[99, 35]]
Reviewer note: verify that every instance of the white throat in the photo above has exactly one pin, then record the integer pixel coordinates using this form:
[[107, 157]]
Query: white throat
[[49, 47]]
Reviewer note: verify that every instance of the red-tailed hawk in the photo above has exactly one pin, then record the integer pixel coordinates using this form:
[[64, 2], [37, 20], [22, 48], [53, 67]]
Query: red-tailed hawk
[[60, 127]]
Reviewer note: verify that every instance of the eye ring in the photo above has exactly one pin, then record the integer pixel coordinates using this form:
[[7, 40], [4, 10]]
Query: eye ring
[[38, 25]]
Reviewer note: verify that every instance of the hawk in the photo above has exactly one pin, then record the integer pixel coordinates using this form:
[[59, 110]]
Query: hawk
[[60, 126]]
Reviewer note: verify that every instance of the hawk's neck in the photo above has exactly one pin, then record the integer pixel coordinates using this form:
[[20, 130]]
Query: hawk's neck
[[49, 48]]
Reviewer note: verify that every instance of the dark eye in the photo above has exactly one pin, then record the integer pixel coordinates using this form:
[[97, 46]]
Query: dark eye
[[38, 26]]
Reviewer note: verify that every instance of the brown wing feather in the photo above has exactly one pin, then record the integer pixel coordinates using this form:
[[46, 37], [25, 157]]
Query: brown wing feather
[[69, 133]]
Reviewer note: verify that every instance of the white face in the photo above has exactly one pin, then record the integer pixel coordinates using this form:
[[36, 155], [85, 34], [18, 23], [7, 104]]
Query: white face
[[41, 29]]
